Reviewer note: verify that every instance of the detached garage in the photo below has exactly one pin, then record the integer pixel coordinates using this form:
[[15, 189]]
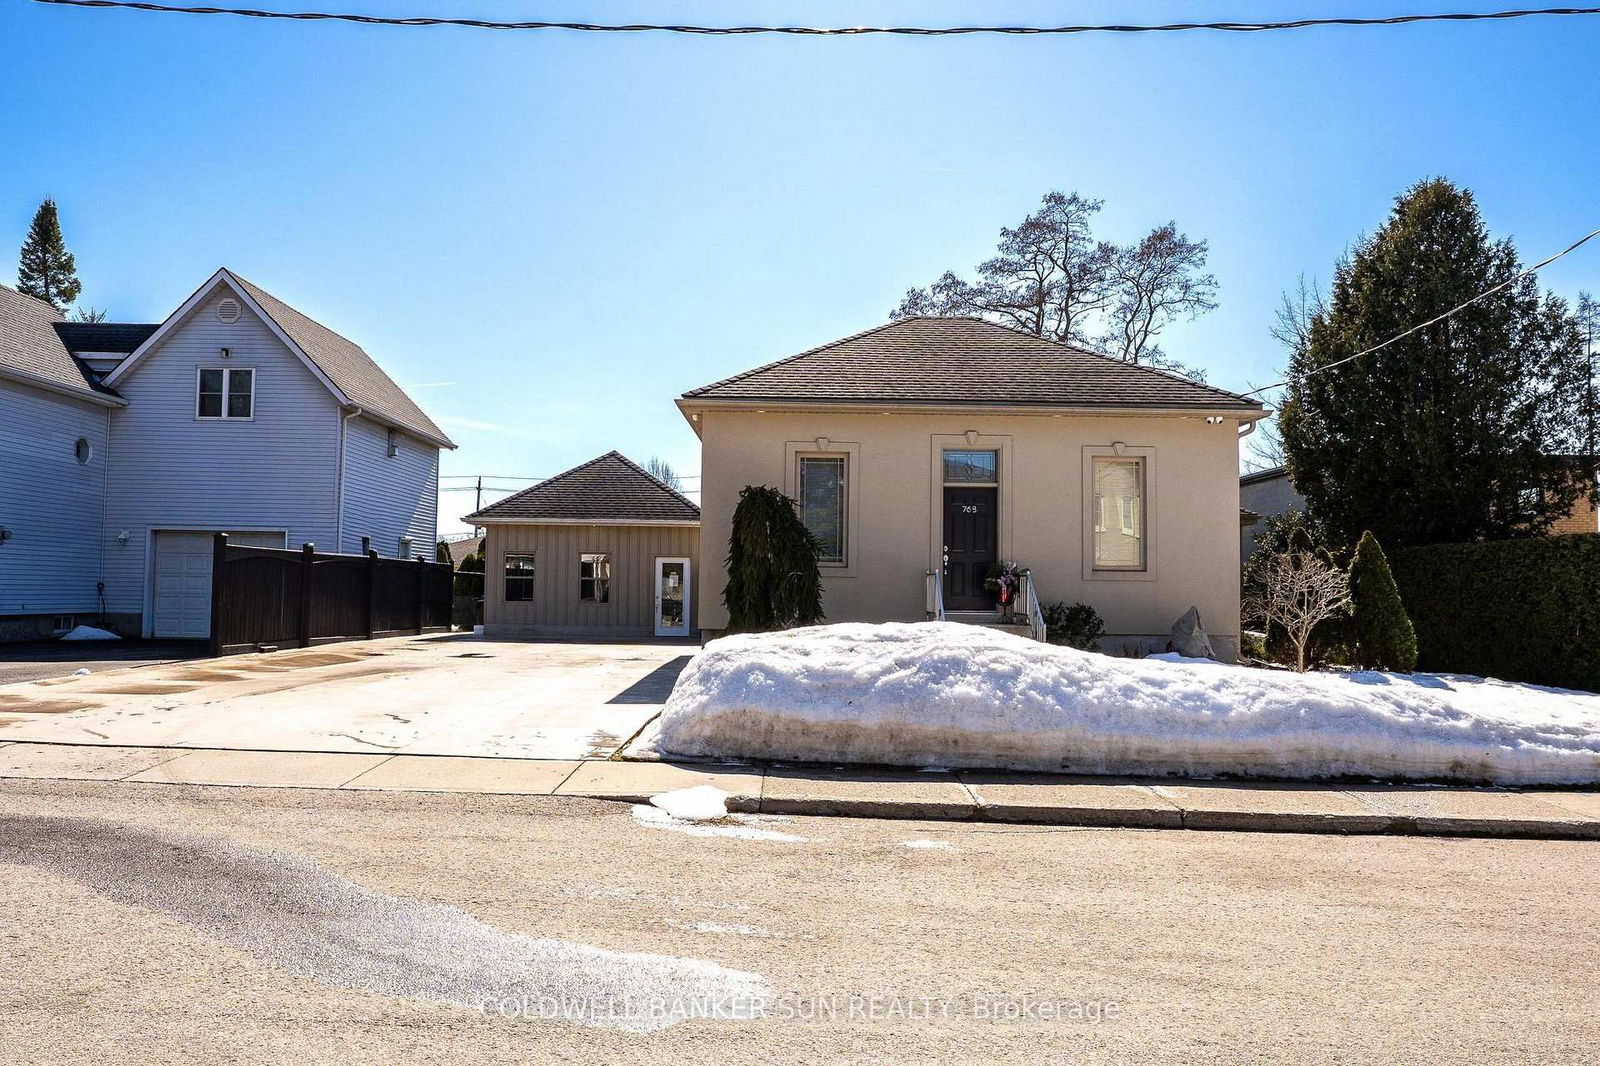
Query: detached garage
[[601, 551], [180, 586]]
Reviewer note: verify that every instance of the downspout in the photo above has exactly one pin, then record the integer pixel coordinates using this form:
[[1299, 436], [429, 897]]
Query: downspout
[[338, 501]]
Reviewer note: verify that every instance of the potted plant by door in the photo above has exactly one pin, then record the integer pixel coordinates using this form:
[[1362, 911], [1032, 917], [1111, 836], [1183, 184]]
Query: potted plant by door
[[1004, 580]]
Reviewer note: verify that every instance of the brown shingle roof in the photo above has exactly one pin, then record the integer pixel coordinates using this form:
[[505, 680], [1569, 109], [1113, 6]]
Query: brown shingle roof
[[346, 365], [121, 337], [964, 362], [31, 348], [610, 488]]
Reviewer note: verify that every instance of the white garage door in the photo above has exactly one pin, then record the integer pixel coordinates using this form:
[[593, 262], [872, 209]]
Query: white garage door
[[182, 598]]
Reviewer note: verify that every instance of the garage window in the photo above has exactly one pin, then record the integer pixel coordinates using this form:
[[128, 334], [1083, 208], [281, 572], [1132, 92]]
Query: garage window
[[225, 392], [519, 577], [594, 577]]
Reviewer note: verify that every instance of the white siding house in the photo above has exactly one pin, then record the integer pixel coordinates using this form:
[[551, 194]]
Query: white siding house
[[237, 414]]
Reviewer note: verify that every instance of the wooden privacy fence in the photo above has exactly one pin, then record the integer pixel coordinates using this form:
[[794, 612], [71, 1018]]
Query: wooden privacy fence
[[277, 597]]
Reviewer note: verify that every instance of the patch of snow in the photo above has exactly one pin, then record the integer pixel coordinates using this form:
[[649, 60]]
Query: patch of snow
[[722, 928], [944, 694], [930, 845], [89, 633], [738, 826], [82, 671], [1175, 657], [702, 803]]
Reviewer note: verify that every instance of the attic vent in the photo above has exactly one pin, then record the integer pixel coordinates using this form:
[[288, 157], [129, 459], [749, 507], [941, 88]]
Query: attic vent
[[228, 310]]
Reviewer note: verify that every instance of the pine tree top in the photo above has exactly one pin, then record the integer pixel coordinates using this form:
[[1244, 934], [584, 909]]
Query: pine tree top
[[46, 270]]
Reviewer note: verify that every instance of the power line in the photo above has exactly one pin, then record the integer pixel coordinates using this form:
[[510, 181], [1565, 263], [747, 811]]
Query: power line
[[834, 31], [1580, 242]]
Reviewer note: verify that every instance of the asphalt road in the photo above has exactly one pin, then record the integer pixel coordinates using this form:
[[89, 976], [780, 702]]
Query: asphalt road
[[37, 660], [162, 923]]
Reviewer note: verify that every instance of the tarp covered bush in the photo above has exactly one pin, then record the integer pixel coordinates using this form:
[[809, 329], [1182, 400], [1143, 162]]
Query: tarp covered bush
[[1521, 610]]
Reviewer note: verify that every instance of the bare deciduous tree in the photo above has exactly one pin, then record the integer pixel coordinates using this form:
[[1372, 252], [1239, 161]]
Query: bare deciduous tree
[[1156, 282], [662, 471], [1297, 591], [1052, 278]]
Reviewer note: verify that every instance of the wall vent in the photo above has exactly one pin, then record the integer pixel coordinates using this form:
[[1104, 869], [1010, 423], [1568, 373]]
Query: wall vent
[[228, 310]]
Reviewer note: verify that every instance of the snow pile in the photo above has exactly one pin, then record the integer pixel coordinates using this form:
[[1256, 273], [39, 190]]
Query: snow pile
[[703, 803], [735, 826], [89, 633], [952, 695]]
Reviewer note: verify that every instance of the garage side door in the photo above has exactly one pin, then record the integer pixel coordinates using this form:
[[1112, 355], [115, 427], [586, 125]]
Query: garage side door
[[181, 602]]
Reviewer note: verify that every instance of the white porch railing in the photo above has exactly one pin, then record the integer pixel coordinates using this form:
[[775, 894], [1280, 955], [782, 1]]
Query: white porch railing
[[935, 595], [1030, 604]]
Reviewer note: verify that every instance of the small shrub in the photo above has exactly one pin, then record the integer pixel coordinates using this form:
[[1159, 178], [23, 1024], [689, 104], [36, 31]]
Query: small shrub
[[1253, 645], [1075, 625], [1385, 639]]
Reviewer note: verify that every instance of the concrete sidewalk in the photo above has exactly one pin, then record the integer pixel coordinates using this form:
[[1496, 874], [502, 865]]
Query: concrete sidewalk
[[858, 792]]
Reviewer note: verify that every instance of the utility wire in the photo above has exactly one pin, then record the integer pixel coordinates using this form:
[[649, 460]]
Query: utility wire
[[832, 31], [1435, 319]]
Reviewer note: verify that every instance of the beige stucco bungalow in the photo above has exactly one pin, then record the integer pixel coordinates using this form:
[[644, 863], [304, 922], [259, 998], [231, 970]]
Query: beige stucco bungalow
[[940, 446]]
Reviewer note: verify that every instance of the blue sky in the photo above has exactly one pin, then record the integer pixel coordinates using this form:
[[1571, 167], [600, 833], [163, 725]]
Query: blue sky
[[549, 236]]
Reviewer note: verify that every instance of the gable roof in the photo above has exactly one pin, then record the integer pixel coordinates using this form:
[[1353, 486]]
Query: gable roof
[[609, 489], [338, 362], [952, 361], [1268, 474], [121, 337], [31, 350]]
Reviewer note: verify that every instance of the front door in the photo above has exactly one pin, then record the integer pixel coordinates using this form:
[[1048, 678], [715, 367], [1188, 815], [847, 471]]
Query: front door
[[672, 597], [971, 528]]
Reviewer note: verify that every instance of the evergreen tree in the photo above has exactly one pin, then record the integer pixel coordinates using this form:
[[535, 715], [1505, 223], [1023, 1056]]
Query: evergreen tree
[[47, 270], [773, 580], [441, 552], [1385, 639], [1458, 431]]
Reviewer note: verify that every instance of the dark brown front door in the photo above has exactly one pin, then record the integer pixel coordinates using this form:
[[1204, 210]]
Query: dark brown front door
[[970, 534]]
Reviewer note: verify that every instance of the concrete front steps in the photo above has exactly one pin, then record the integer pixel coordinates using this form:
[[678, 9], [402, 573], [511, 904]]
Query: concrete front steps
[[1036, 799], [987, 619]]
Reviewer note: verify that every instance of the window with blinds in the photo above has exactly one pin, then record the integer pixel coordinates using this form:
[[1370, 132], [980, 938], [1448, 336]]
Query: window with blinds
[[1119, 534], [822, 503]]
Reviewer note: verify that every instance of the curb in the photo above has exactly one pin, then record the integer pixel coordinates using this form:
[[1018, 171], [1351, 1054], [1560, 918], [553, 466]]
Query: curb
[[1155, 818]]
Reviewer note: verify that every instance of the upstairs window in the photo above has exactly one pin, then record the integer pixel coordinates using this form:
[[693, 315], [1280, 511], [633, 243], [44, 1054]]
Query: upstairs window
[[391, 446], [822, 504], [519, 577], [594, 577], [226, 393]]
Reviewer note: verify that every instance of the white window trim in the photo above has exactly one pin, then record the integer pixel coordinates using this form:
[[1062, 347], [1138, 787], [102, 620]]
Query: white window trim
[[1091, 452], [827, 448], [531, 576], [227, 390], [611, 559]]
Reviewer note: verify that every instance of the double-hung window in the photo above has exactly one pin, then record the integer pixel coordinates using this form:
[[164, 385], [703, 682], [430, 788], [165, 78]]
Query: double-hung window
[[519, 577], [594, 577], [823, 504], [1119, 532], [225, 392]]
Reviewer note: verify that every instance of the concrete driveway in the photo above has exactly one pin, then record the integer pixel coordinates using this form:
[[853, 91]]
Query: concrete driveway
[[435, 695]]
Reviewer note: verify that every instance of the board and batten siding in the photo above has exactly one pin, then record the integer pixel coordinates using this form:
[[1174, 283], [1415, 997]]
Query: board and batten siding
[[386, 497], [555, 609], [52, 504], [171, 470]]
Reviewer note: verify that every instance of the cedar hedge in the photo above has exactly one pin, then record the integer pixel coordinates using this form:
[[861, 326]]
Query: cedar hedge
[[1519, 610]]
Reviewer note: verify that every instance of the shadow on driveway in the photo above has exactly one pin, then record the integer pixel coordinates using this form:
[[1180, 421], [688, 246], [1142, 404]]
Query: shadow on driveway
[[37, 660], [655, 686]]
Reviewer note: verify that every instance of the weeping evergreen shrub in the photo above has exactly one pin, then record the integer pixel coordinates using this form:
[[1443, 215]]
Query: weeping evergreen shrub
[[1385, 639], [773, 580]]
